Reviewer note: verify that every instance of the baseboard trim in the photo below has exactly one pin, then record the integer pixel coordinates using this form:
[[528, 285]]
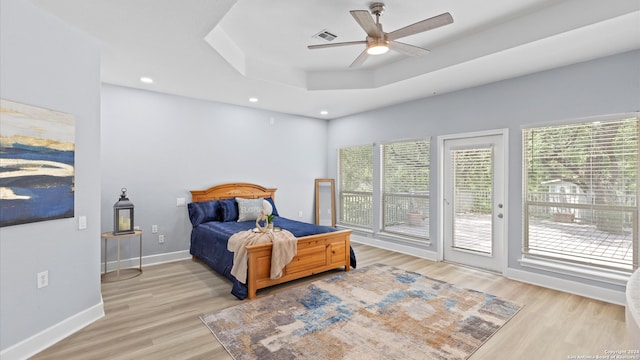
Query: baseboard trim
[[568, 286], [46, 338], [391, 246], [148, 260], [69, 326]]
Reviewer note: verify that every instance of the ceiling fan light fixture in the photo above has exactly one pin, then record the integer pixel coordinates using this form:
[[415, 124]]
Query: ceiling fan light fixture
[[378, 48], [379, 42]]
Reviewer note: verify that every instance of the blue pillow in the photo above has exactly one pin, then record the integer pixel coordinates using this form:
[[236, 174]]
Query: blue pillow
[[202, 212], [228, 210]]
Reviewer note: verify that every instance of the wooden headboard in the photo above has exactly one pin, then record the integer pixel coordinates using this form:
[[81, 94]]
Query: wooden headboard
[[229, 191]]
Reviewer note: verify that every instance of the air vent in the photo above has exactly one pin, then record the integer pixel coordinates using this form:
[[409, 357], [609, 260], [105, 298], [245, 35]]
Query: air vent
[[325, 35]]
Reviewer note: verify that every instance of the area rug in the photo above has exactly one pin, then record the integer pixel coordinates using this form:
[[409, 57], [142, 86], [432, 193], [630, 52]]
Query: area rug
[[376, 312]]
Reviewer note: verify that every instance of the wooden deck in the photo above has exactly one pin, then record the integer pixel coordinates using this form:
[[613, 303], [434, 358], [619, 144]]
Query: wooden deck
[[473, 232]]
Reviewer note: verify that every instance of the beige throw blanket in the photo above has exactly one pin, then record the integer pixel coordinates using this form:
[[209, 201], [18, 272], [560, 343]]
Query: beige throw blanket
[[285, 246]]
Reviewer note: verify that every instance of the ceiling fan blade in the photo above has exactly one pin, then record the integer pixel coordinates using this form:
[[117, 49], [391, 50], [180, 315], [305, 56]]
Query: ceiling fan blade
[[421, 26], [407, 49], [360, 59], [320, 46], [366, 22]]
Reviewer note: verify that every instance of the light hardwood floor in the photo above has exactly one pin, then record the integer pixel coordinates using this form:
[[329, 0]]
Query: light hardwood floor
[[156, 315]]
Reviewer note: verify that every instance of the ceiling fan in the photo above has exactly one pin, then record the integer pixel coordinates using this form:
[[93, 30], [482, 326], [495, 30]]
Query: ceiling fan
[[379, 42]]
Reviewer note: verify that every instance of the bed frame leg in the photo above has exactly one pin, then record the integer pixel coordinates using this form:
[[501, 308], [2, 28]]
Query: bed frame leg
[[251, 283]]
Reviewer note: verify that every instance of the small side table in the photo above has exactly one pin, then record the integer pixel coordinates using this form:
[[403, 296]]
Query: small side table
[[120, 274]]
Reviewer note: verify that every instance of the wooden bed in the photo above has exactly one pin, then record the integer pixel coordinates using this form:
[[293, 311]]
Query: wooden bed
[[316, 253]]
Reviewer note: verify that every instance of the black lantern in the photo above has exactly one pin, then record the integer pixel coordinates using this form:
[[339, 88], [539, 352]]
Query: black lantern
[[123, 215]]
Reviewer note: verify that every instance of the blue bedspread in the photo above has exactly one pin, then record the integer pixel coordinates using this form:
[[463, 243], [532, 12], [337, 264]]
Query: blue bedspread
[[209, 244]]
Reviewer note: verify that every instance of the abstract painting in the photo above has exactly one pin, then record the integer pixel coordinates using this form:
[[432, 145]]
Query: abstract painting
[[37, 153]]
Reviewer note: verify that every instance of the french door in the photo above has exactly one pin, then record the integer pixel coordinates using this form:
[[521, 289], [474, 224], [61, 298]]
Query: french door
[[473, 200]]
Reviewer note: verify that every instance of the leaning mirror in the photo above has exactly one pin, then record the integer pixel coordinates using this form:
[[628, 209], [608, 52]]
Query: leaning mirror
[[325, 207]]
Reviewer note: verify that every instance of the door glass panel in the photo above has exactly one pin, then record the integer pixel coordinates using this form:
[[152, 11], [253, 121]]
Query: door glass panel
[[473, 199]]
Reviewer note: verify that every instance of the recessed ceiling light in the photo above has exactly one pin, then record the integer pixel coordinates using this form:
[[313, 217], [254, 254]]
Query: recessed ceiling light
[[146, 80], [253, 99], [324, 112]]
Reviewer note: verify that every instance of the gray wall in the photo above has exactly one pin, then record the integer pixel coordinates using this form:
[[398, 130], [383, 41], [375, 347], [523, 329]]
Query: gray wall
[[161, 146], [47, 64], [605, 86]]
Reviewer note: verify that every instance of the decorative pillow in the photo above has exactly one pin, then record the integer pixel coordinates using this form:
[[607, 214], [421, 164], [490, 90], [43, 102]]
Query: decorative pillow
[[266, 207], [274, 211], [249, 209], [202, 212], [228, 210]]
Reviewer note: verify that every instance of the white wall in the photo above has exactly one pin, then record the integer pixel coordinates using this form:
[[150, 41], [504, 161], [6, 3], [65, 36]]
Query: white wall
[[161, 146], [48, 64], [605, 86]]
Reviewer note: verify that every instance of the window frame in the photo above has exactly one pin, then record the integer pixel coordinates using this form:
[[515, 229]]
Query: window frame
[[566, 266], [382, 177], [376, 230], [341, 190]]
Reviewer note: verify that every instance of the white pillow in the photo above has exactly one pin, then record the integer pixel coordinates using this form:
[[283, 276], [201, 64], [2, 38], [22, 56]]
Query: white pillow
[[266, 206], [249, 209]]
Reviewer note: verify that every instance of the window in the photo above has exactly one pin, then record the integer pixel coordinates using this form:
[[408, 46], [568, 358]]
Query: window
[[405, 183], [473, 199], [356, 185], [581, 194], [398, 205]]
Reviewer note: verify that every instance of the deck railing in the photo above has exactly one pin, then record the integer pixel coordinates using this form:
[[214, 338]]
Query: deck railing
[[357, 207], [552, 224], [580, 208], [398, 205]]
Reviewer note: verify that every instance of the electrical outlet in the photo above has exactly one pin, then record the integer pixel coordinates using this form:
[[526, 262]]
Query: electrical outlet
[[161, 239], [154, 229], [181, 202], [43, 279]]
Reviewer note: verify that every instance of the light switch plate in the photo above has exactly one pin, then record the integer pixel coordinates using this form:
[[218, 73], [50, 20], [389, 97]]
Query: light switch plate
[[43, 279], [82, 222]]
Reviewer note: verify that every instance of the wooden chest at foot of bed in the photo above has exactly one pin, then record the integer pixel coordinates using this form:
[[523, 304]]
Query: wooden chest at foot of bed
[[316, 254]]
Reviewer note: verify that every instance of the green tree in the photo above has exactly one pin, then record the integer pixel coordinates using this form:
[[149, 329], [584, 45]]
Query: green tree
[[600, 157]]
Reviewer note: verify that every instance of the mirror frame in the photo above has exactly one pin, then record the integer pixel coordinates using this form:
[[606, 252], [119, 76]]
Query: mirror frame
[[333, 196]]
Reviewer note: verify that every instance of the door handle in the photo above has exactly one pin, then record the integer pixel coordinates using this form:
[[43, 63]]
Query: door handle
[[500, 216]]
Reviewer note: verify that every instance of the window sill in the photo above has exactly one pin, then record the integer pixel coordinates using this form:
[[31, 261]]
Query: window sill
[[609, 276], [389, 237], [404, 240], [356, 230]]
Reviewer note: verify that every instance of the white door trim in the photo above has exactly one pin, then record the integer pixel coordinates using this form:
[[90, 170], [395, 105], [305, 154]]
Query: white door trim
[[440, 200]]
